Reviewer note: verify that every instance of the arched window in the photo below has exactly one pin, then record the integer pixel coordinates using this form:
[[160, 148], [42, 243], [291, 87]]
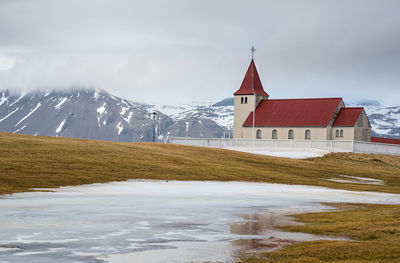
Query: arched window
[[241, 100], [341, 133], [245, 100], [258, 134], [308, 135], [274, 134], [337, 133], [290, 134]]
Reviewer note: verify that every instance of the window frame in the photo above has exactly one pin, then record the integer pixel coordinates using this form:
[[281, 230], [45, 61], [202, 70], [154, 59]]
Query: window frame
[[258, 134], [274, 134], [307, 135], [291, 134]]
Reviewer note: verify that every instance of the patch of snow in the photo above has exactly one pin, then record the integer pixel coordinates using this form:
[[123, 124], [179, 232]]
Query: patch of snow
[[123, 110], [96, 94], [29, 114], [293, 153], [48, 91], [381, 131], [382, 111], [9, 114], [126, 103], [356, 180], [23, 127], [128, 120], [381, 123], [101, 109], [22, 95], [60, 126], [114, 98], [62, 101], [119, 127], [223, 115], [130, 116], [3, 99]]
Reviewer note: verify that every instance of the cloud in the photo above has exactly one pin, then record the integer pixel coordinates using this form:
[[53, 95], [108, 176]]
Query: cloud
[[178, 51]]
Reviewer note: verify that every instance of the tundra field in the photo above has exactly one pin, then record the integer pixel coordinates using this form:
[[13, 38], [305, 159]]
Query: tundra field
[[29, 162]]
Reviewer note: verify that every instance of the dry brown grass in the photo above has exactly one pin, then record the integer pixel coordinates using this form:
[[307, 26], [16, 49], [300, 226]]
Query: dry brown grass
[[40, 162], [28, 162], [374, 229]]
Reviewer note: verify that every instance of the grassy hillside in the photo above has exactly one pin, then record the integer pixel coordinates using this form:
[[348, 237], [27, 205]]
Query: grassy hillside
[[374, 231], [35, 162]]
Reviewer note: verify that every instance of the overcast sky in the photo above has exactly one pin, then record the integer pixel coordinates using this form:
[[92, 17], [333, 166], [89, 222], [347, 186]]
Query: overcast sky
[[180, 51]]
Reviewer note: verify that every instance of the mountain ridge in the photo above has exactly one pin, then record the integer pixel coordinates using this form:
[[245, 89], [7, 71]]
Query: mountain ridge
[[89, 113]]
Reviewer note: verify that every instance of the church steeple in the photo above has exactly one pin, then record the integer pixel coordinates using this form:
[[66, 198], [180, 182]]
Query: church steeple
[[251, 83], [247, 98]]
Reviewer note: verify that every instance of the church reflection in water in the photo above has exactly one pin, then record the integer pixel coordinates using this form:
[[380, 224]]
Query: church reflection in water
[[261, 226]]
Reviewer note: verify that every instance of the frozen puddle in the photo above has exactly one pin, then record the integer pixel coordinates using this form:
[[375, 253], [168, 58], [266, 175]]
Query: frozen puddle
[[158, 221]]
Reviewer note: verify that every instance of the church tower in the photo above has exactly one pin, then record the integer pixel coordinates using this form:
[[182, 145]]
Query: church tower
[[246, 99]]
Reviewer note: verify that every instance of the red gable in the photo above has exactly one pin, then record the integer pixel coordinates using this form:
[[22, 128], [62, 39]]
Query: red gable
[[347, 116], [294, 112], [251, 83], [385, 140]]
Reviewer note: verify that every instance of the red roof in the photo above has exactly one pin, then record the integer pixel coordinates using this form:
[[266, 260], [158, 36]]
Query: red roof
[[251, 83], [385, 140], [294, 112], [348, 116]]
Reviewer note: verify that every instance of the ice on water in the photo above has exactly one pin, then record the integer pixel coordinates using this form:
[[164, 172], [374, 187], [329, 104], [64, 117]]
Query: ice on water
[[89, 223]]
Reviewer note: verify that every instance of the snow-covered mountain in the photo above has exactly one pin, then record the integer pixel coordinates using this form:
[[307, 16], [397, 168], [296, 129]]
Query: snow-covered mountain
[[385, 120], [96, 114], [80, 113], [93, 114], [194, 119]]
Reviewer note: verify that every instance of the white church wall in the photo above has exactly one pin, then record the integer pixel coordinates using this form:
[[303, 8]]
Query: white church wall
[[317, 133], [348, 133], [242, 111]]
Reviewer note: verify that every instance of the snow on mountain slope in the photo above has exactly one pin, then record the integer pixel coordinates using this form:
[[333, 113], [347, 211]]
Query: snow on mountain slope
[[385, 120], [96, 114], [80, 113], [222, 115]]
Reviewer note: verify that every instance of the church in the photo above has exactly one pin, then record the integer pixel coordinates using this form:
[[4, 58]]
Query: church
[[257, 116]]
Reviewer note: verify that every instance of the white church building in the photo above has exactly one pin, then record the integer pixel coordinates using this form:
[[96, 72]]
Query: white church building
[[257, 116]]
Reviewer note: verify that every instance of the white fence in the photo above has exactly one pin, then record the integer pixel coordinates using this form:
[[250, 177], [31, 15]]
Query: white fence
[[328, 145]]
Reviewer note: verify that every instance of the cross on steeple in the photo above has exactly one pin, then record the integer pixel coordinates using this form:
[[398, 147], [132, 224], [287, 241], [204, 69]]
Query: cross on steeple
[[252, 52]]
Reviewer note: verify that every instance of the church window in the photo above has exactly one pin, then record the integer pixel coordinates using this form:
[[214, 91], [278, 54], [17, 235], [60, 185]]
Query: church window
[[291, 134], [308, 135], [274, 134], [241, 100], [337, 133], [341, 133], [259, 134], [245, 100]]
